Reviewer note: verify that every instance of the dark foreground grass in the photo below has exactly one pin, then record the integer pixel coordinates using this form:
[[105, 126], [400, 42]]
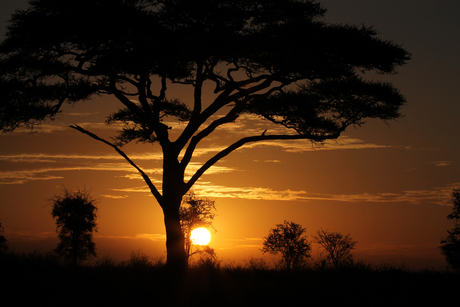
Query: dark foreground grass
[[40, 279]]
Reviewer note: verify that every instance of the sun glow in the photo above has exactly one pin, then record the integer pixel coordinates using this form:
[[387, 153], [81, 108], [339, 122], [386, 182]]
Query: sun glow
[[200, 236]]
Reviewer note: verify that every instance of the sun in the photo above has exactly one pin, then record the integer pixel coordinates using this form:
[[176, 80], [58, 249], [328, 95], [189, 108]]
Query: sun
[[200, 236]]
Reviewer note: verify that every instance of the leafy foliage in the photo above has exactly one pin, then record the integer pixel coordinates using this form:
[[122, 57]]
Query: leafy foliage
[[337, 246], [450, 245], [196, 212], [75, 216], [287, 240]]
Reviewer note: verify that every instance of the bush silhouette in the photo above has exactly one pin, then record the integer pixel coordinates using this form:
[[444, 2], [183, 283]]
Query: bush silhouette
[[3, 241], [75, 216], [450, 245]]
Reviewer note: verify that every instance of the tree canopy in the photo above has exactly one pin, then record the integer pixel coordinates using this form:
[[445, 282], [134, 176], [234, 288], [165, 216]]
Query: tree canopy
[[337, 246], [288, 240], [278, 61]]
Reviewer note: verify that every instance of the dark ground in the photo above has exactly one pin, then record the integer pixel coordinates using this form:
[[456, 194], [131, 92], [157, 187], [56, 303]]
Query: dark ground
[[40, 279]]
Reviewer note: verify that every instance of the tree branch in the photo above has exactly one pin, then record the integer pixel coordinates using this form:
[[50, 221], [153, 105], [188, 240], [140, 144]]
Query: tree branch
[[230, 117], [147, 180], [263, 137]]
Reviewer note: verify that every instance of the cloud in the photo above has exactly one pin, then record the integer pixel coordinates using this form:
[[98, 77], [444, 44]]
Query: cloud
[[215, 191], [23, 176], [151, 236], [143, 189], [299, 146], [242, 243], [148, 236], [43, 128], [81, 114], [28, 235], [441, 163], [114, 196], [438, 195], [215, 169], [40, 157]]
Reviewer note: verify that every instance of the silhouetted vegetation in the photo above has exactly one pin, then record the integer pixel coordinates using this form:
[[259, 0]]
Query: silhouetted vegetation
[[336, 246], [195, 212], [3, 240], [450, 245], [287, 239], [278, 61], [75, 216], [28, 279]]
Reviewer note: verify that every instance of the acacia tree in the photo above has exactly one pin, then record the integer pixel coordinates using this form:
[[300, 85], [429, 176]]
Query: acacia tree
[[450, 245], [337, 246], [195, 212], [287, 239], [278, 61], [75, 216]]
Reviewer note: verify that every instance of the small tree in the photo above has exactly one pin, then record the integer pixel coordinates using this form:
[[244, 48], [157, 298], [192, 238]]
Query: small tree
[[75, 216], [337, 246], [450, 245], [195, 212], [287, 239], [3, 241]]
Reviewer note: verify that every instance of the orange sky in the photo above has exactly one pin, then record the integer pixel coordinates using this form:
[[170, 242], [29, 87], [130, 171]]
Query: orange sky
[[387, 185]]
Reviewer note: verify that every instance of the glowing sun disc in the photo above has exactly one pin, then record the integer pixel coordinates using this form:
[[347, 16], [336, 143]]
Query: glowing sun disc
[[200, 236]]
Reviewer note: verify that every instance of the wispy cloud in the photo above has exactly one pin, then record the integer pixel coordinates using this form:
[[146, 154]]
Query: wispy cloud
[[114, 196], [215, 191], [81, 113], [151, 236], [147, 236], [245, 243], [23, 176], [43, 128], [142, 189], [40, 157], [27, 235], [438, 195], [298, 146], [441, 163]]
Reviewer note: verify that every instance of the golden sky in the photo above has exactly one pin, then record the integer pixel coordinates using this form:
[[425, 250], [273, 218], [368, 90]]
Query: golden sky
[[387, 185]]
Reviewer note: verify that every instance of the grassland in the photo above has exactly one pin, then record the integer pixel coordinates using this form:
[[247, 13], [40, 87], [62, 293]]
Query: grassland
[[41, 279]]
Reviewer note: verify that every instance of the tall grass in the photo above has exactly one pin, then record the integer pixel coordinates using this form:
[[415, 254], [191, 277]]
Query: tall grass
[[144, 281]]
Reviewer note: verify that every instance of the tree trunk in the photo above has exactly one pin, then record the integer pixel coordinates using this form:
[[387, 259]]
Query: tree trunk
[[173, 191], [175, 242]]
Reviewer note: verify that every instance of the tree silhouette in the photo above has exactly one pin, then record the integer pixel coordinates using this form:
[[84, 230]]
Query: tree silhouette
[[3, 241], [337, 246], [287, 240], [277, 61], [450, 245], [75, 216], [195, 212]]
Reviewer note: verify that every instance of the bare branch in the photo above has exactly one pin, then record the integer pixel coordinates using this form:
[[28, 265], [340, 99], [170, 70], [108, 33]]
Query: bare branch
[[246, 140], [146, 178]]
